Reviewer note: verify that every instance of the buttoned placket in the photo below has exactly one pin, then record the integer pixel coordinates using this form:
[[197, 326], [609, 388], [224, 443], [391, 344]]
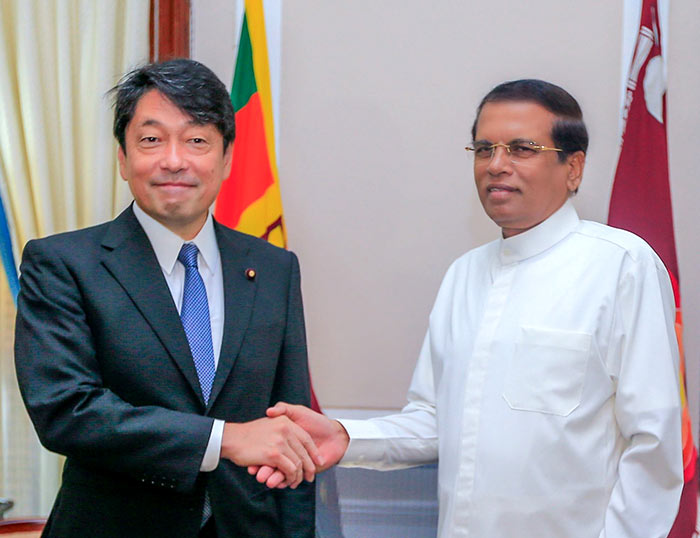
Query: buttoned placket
[[496, 301]]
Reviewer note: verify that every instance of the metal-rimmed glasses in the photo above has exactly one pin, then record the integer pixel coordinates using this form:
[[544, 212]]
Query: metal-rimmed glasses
[[518, 150]]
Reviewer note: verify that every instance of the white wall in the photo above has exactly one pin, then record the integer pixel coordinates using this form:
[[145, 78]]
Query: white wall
[[377, 100]]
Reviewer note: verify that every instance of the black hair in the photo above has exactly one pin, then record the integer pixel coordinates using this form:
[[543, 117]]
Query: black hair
[[568, 132], [189, 85]]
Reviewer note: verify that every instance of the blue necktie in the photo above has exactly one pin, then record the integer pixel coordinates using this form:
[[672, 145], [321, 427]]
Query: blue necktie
[[194, 315]]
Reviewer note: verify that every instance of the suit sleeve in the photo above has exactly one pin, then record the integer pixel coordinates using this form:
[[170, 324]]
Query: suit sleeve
[[292, 384], [73, 412]]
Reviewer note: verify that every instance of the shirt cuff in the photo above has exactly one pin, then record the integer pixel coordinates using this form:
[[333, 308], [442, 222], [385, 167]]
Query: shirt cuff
[[213, 452], [365, 443]]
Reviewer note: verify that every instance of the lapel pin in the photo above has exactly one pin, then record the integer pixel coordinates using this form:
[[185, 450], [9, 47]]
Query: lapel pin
[[250, 274]]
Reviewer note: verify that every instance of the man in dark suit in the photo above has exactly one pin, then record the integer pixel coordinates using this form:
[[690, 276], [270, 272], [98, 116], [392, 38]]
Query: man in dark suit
[[148, 348]]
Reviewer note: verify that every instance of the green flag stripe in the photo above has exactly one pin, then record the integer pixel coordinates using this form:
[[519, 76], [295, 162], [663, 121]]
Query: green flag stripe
[[244, 78]]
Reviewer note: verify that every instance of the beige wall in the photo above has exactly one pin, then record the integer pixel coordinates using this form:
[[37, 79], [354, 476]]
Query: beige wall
[[377, 99]]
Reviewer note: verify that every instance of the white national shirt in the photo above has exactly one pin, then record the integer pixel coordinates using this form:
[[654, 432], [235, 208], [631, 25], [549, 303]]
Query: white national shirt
[[548, 388]]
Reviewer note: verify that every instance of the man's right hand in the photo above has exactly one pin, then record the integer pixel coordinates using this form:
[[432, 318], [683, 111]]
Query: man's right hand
[[275, 442], [328, 435]]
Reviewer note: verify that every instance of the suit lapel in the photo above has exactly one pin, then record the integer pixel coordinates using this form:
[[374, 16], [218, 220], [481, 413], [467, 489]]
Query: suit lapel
[[129, 257], [239, 296]]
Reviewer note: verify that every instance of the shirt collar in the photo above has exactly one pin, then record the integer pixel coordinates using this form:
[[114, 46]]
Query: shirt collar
[[539, 238], [167, 244]]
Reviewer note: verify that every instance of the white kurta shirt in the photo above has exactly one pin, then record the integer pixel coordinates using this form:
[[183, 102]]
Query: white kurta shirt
[[547, 385]]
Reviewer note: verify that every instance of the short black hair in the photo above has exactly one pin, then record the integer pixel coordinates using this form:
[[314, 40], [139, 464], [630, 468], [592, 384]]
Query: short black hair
[[189, 85], [569, 132]]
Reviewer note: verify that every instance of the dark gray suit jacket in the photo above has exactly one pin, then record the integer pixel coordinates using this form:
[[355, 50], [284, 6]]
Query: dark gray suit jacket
[[106, 373]]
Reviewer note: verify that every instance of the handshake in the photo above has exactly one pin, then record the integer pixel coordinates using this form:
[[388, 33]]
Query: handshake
[[292, 444]]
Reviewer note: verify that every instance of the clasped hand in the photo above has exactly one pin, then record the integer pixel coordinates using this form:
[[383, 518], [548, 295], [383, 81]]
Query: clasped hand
[[276, 442], [327, 436]]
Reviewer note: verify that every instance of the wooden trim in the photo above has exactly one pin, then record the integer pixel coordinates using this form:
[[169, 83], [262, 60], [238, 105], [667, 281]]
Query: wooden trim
[[151, 26], [169, 29]]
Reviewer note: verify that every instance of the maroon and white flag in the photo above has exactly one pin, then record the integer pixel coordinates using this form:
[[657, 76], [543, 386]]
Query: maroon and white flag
[[641, 202]]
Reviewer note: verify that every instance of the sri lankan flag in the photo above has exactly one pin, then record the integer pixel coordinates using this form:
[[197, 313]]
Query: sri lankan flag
[[250, 200], [641, 203]]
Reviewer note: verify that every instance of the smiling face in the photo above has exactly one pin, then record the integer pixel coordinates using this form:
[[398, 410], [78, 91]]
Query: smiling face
[[173, 165], [518, 196]]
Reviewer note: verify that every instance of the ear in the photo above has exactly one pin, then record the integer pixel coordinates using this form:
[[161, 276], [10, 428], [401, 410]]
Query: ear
[[228, 157], [121, 157], [575, 164]]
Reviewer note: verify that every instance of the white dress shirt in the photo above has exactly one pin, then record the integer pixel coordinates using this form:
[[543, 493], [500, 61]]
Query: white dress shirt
[[166, 246], [547, 387]]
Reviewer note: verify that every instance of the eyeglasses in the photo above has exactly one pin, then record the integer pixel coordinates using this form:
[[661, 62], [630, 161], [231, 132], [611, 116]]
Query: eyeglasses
[[518, 150]]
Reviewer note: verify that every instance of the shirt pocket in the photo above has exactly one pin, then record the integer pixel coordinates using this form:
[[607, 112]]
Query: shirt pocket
[[547, 371]]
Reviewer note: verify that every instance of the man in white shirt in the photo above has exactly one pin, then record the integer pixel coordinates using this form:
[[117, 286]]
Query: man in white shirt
[[148, 348], [547, 384]]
